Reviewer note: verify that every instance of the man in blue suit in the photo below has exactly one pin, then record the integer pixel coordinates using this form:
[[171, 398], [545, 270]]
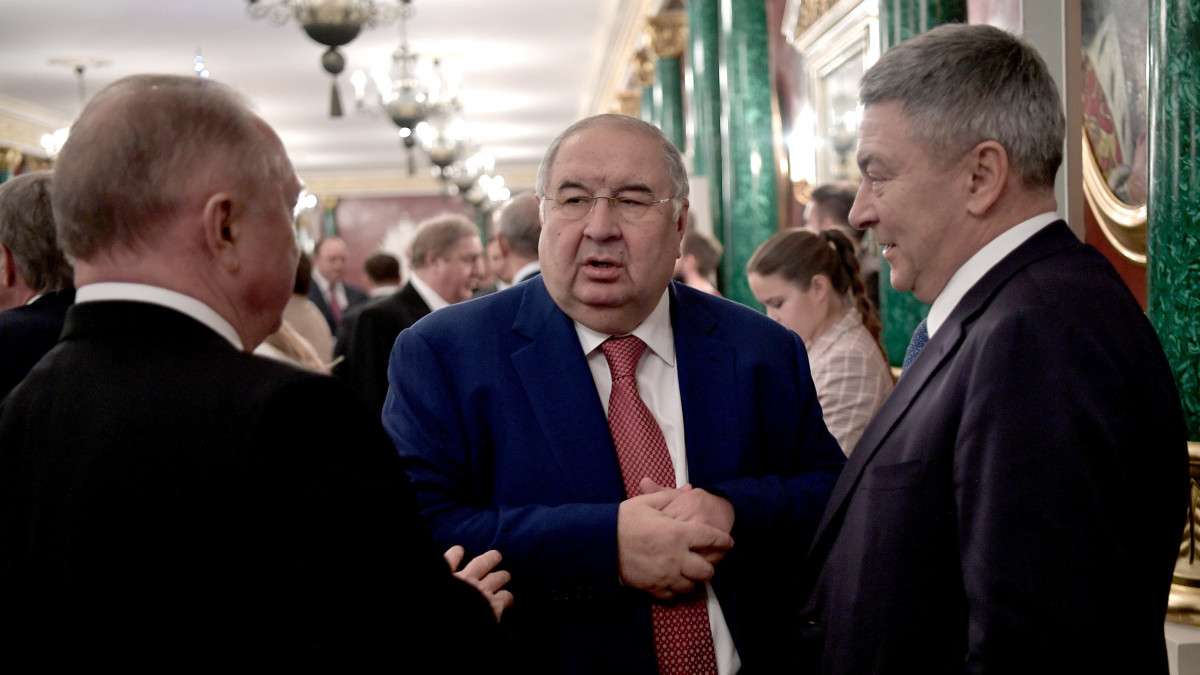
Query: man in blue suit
[[508, 444], [1016, 504]]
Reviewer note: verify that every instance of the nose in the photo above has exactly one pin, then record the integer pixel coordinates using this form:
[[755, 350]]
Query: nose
[[862, 213], [602, 222]]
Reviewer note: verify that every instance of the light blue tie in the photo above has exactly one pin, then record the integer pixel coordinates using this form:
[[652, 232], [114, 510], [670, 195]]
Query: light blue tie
[[919, 338]]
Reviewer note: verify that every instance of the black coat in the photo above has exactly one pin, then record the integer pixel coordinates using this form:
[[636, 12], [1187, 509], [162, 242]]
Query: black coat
[[166, 498]]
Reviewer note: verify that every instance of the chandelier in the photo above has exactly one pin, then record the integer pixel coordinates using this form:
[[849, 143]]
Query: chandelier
[[332, 23]]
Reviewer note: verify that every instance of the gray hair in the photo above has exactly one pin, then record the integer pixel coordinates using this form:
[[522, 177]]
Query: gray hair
[[438, 235], [961, 85], [145, 147], [676, 172], [518, 221], [27, 230]]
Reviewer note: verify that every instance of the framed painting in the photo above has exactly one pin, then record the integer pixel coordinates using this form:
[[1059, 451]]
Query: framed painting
[[1115, 120]]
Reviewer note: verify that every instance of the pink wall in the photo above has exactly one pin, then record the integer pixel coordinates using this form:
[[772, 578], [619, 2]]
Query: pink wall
[[371, 224]]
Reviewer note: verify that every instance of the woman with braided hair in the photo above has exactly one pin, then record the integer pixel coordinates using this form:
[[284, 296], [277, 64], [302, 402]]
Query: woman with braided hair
[[810, 283]]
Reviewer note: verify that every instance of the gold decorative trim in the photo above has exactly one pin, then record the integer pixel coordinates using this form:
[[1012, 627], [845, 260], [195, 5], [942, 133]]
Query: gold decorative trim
[[810, 12], [629, 102], [643, 69], [1183, 603], [10, 159], [1122, 224], [668, 34]]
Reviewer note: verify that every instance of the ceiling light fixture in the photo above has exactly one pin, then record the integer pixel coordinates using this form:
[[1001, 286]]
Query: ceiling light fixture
[[332, 23]]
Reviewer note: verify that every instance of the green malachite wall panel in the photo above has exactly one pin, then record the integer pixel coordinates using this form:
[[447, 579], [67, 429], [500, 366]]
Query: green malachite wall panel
[[668, 88]]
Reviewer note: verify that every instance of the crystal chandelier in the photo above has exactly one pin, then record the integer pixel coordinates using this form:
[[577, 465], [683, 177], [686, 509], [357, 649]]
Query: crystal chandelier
[[332, 23]]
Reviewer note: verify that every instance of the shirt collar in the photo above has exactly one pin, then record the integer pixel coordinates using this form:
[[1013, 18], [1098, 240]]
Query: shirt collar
[[427, 294], [654, 330], [321, 282], [154, 295], [980, 264]]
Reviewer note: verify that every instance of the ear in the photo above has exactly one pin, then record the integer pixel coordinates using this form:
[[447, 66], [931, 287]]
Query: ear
[[222, 232], [987, 164], [8, 268], [681, 226], [502, 242], [820, 286]]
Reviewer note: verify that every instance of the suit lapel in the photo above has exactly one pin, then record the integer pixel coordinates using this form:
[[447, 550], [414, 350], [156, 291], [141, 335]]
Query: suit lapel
[[706, 380], [556, 379], [1048, 241]]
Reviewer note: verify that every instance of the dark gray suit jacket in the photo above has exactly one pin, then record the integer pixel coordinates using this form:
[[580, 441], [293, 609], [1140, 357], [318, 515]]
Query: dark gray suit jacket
[[1016, 505], [368, 332], [354, 296], [27, 333]]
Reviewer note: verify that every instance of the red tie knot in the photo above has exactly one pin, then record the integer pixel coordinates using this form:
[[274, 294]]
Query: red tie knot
[[622, 354]]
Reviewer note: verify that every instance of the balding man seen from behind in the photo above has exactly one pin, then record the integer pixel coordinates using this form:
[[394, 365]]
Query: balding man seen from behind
[[517, 232], [159, 502]]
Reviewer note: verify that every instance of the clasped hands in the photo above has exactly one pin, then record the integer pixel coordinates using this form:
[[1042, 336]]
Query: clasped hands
[[670, 539]]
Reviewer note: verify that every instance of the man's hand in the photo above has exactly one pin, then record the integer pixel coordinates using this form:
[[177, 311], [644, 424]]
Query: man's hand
[[479, 574], [694, 505], [661, 555]]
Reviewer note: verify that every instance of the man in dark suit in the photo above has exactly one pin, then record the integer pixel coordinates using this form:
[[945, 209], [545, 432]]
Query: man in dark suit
[[446, 258], [329, 291], [35, 278], [511, 445], [165, 496], [1016, 504]]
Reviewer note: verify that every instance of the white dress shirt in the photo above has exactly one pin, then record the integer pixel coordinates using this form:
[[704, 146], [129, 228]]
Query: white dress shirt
[[112, 290], [427, 294], [658, 386], [325, 285], [980, 264]]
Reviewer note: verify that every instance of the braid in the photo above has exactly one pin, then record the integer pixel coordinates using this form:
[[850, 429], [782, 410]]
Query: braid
[[853, 281]]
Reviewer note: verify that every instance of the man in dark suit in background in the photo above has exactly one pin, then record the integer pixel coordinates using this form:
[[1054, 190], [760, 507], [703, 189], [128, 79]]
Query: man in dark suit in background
[[446, 259], [329, 291], [35, 278], [515, 442], [165, 496], [1016, 504]]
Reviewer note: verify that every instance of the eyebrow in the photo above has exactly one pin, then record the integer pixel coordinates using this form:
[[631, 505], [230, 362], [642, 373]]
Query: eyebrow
[[626, 187]]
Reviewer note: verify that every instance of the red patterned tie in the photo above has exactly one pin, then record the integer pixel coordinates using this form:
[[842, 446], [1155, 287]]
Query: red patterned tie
[[682, 637], [335, 307]]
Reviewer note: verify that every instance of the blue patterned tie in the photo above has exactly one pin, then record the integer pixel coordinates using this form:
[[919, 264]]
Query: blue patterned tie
[[919, 338]]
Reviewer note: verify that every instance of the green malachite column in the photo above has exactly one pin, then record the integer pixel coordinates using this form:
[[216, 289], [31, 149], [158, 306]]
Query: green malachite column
[[899, 20], [902, 19], [1173, 207], [329, 223], [1173, 247], [704, 27], [668, 36], [751, 207]]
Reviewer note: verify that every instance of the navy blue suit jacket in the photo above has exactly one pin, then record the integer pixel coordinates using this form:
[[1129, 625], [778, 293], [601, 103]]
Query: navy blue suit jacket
[[508, 446], [1017, 503]]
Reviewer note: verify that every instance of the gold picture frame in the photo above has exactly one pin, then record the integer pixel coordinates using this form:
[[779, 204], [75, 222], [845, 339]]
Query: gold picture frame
[[1115, 134]]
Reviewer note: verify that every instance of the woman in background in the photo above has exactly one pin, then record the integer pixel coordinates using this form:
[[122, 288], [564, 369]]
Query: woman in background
[[810, 283]]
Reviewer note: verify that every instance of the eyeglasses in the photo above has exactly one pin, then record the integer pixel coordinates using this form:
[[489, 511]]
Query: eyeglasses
[[629, 208]]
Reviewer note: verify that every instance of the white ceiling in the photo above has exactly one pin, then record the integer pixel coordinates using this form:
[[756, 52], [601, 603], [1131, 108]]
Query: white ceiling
[[528, 69]]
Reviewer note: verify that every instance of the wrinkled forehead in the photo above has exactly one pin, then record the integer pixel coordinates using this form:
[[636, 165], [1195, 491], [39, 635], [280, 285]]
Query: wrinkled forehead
[[608, 158]]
